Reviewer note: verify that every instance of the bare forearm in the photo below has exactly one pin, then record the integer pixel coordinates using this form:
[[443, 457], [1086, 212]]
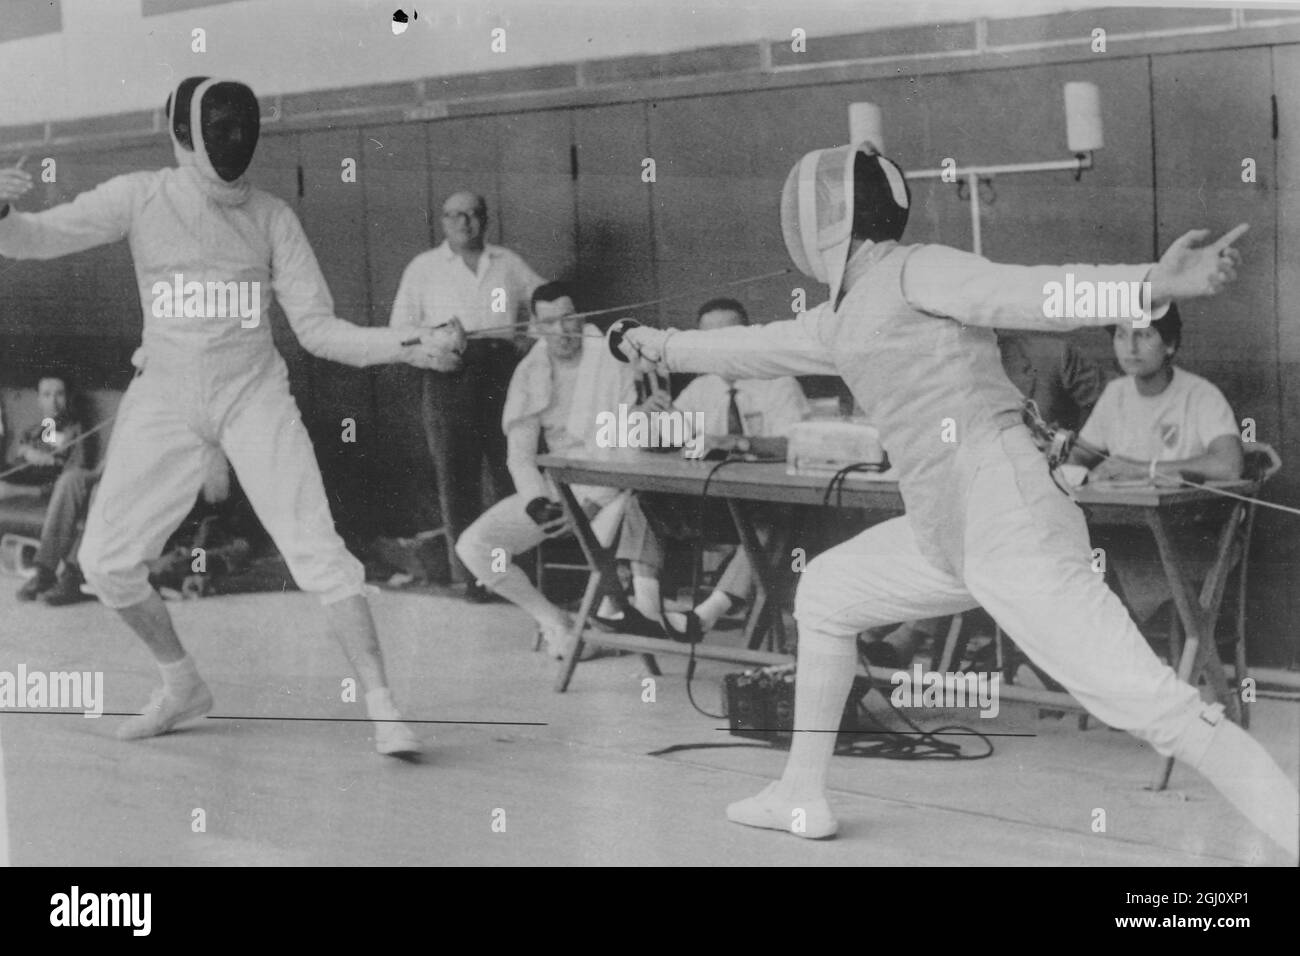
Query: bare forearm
[[1212, 466]]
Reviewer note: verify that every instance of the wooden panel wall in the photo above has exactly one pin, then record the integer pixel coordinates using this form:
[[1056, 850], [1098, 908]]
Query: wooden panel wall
[[1178, 126]]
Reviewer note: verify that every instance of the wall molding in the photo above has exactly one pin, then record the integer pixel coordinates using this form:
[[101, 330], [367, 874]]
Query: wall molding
[[740, 68]]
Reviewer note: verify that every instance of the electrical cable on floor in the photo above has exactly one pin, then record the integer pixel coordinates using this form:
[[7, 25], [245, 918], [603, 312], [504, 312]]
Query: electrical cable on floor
[[697, 561], [919, 745], [886, 744]]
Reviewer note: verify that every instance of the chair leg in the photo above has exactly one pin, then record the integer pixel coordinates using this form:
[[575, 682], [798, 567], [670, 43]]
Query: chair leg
[[1162, 778], [1175, 638], [952, 645], [541, 589], [1239, 672], [1239, 676]]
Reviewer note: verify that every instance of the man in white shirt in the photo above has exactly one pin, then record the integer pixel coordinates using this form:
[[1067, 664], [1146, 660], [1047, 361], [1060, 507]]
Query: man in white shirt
[[555, 396], [745, 415], [488, 289]]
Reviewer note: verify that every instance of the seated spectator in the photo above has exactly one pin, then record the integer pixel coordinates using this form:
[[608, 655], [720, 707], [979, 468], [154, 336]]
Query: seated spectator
[[1158, 421], [48, 446], [553, 401], [748, 416], [60, 539]]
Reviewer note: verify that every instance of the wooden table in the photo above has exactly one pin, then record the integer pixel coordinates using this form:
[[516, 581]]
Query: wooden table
[[1157, 509]]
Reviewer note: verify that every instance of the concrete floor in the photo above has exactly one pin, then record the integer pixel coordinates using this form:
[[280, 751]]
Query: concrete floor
[[570, 774]]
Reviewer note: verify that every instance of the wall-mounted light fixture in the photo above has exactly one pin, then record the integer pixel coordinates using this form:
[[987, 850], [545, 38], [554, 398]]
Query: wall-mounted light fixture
[[1083, 135]]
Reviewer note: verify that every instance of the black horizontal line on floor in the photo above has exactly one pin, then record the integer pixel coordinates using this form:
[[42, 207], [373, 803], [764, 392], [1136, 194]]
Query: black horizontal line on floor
[[877, 733], [337, 720], [367, 720]]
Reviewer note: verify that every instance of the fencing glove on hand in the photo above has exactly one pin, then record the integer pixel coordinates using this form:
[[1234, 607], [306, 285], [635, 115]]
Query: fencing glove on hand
[[440, 348], [630, 341]]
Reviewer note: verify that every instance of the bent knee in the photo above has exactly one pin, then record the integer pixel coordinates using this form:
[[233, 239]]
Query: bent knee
[[477, 552], [118, 584], [820, 604]]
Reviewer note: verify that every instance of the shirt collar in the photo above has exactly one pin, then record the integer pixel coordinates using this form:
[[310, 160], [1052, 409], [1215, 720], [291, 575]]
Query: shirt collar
[[446, 252]]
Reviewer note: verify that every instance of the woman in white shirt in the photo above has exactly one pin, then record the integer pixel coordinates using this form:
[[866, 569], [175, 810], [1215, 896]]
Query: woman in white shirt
[[1158, 422], [1159, 419]]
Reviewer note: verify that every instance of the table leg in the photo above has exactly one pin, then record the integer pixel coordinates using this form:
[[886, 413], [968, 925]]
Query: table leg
[[780, 553], [765, 616], [602, 582], [1212, 593]]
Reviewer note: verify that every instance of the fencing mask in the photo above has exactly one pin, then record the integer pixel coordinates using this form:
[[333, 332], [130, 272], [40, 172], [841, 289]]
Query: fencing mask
[[834, 195], [214, 125]]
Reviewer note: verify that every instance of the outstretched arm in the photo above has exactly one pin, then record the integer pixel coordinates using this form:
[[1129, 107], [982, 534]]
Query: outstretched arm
[[975, 291], [94, 218], [774, 350], [305, 298]]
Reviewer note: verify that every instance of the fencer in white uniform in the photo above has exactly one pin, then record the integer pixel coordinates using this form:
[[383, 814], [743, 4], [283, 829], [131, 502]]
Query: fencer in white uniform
[[212, 377], [912, 334]]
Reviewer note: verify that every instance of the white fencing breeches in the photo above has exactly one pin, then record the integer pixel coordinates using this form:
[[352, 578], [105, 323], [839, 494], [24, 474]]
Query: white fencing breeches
[[1028, 563], [169, 423]]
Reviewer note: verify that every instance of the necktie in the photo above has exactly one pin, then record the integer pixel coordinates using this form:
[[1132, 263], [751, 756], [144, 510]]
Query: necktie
[[735, 424]]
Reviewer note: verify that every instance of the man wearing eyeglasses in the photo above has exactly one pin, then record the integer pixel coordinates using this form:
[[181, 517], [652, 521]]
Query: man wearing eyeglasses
[[488, 288]]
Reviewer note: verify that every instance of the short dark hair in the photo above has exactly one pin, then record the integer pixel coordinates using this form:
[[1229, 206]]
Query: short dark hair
[[61, 375], [1169, 326], [723, 305], [550, 291]]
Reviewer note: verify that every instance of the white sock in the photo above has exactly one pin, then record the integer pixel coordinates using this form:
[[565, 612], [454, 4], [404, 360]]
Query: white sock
[[1242, 770], [380, 705], [559, 621], [609, 609], [822, 681], [180, 675], [645, 596], [713, 607]]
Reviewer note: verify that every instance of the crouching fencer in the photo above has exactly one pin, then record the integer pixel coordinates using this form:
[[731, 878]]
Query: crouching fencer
[[910, 328], [212, 377]]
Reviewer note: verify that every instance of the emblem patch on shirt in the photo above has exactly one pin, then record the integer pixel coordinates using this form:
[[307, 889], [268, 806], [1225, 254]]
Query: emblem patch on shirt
[[1169, 434]]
